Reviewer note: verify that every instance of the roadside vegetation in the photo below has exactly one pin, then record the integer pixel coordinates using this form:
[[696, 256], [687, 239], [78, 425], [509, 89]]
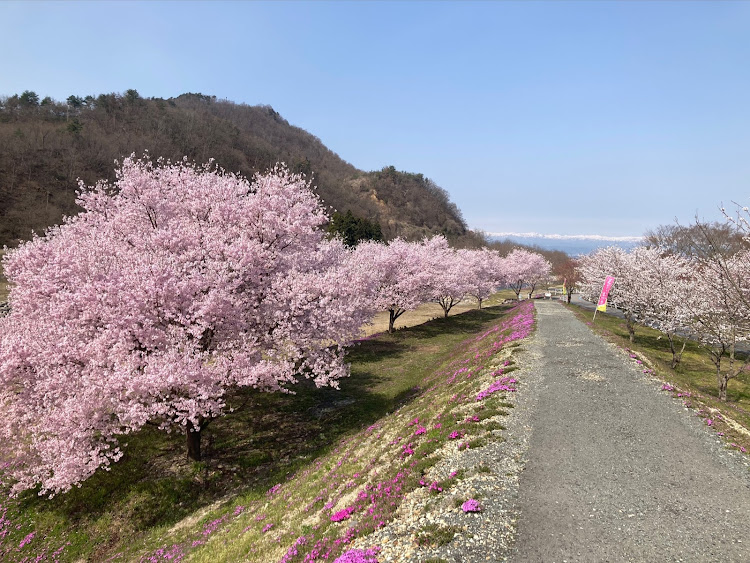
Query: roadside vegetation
[[693, 380], [290, 477]]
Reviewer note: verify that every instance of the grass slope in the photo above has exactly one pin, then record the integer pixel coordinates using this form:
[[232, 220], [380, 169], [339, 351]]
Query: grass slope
[[693, 380], [288, 477]]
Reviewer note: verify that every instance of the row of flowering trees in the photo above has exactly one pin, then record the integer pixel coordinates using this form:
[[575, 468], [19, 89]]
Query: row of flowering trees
[[700, 295], [406, 274], [180, 283]]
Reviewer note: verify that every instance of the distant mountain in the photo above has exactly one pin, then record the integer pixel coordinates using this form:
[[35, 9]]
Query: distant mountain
[[573, 245], [46, 145]]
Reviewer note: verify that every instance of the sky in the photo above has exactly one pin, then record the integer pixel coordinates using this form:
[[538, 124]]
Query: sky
[[606, 118]]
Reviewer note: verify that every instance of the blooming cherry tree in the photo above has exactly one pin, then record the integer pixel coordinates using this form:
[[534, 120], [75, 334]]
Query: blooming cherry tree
[[716, 315], [174, 285], [663, 293], [625, 293], [448, 270], [525, 269], [483, 270], [401, 282]]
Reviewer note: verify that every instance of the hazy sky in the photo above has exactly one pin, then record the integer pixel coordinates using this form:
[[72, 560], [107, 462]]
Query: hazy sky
[[554, 117]]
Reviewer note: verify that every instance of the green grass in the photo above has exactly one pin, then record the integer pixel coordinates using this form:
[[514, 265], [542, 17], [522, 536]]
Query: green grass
[[315, 440], [695, 374]]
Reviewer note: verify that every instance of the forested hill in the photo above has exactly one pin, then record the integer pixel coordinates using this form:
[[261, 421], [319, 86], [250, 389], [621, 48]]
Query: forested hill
[[46, 145]]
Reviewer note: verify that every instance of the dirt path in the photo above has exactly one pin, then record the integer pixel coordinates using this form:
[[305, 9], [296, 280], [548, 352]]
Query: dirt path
[[617, 470]]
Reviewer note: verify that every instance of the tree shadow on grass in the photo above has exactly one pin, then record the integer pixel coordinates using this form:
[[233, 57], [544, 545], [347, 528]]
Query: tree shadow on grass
[[249, 451]]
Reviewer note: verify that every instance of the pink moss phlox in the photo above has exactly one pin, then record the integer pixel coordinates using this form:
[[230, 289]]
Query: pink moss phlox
[[25, 541], [173, 553], [420, 430], [498, 385], [343, 514], [471, 505], [273, 490], [359, 556], [212, 526], [293, 551]]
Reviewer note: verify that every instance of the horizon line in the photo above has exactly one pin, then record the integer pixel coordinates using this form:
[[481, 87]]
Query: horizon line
[[568, 237]]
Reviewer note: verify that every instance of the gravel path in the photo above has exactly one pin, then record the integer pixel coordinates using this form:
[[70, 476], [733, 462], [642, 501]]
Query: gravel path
[[617, 470], [596, 464]]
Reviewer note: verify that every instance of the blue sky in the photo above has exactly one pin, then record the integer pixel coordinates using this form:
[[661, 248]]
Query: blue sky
[[554, 117]]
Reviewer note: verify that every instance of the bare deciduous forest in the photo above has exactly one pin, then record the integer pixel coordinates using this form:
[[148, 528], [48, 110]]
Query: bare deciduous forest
[[46, 146]]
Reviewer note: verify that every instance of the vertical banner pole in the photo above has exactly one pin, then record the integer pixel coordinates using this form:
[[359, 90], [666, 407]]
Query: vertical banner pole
[[602, 304]]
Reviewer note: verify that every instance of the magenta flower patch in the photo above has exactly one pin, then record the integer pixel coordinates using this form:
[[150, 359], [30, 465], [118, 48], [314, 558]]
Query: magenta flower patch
[[471, 505]]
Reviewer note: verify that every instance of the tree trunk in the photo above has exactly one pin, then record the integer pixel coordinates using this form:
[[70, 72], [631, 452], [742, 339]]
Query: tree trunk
[[629, 324], [480, 302], [193, 437], [676, 356], [569, 298], [391, 320], [722, 386]]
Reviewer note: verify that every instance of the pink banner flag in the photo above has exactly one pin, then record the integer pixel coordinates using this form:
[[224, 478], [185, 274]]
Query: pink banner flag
[[608, 283]]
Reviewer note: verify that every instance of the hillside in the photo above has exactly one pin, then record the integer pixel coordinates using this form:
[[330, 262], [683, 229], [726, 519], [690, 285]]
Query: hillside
[[45, 146]]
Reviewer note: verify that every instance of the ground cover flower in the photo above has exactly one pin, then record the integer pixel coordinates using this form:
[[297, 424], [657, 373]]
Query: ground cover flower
[[359, 556], [343, 514], [471, 505], [498, 385]]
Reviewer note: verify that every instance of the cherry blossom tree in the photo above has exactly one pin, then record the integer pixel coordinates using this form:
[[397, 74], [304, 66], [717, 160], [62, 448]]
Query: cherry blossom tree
[[174, 286], [716, 315], [483, 269], [716, 309], [449, 278], [525, 269], [401, 280], [612, 261]]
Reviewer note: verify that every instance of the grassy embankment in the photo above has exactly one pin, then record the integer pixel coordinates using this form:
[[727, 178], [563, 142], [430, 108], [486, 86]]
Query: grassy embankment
[[279, 468], [694, 379]]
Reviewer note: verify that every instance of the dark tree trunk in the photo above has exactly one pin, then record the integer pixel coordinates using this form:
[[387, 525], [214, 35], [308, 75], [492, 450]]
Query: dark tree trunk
[[568, 298], [480, 302], [630, 325], [394, 314], [722, 386], [676, 356], [193, 442]]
